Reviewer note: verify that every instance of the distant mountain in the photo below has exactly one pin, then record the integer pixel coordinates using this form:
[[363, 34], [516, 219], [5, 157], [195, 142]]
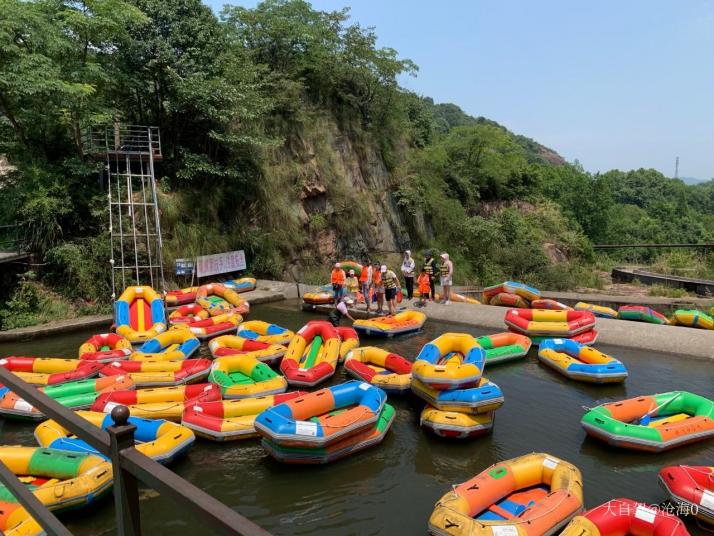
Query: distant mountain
[[447, 116], [693, 180]]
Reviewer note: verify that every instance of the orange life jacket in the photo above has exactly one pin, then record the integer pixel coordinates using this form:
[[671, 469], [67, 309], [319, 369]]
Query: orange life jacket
[[338, 276], [364, 275]]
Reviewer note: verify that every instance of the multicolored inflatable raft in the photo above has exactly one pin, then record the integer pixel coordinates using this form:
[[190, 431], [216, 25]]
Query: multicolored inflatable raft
[[50, 370], [312, 355], [587, 337], [187, 314], [389, 326], [619, 517], [455, 424], [349, 340], [105, 348], [158, 439], [531, 495], [318, 298], [243, 284], [176, 344], [260, 331], [451, 361], [552, 305], [230, 420], [218, 299], [693, 319], [580, 362], [16, 521], [542, 322], [511, 287], [504, 347], [503, 299], [691, 486], [160, 373], [352, 444], [242, 376], [158, 402], [640, 313], [484, 398], [597, 310], [226, 345], [653, 423], [182, 296], [386, 370], [76, 395], [139, 314], [60, 480], [323, 417]]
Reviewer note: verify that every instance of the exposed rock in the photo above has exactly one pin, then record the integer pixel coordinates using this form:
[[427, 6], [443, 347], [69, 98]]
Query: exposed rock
[[554, 253]]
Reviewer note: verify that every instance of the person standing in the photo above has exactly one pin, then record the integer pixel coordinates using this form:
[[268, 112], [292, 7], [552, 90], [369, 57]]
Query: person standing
[[391, 283], [365, 281], [429, 268], [351, 284], [337, 278], [408, 266], [378, 283], [446, 270], [424, 287]]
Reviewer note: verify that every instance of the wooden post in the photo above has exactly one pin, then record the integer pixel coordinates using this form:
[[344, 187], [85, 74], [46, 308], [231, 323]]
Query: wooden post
[[126, 492]]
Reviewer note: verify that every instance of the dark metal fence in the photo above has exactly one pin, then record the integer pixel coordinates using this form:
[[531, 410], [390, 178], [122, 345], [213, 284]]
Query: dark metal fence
[[658, 246], [129, 468]]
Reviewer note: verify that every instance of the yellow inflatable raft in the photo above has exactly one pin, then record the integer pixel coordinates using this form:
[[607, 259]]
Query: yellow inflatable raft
[[455, 423], [218, 299], [450, 361]]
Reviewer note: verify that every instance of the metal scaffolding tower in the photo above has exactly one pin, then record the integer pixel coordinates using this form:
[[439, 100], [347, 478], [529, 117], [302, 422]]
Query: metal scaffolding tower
[[129, 152]]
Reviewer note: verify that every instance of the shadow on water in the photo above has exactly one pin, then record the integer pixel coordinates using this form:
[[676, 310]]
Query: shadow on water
[[392, 488]]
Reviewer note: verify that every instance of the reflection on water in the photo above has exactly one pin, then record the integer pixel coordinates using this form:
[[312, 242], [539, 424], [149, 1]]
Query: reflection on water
[[391, 489]]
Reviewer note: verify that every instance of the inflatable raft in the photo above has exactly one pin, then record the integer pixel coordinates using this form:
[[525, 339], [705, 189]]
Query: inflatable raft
[[139, 314], [50, 370], [230, 420], [653, 423], [504, 347], [243, 284], [160, 373], [453, 360], [242, 376], [176, 344], [260, 331], [79, 394], [483, 398], [691, 486], [587, 337], [312, 355], [60, 480], [158, 402], [551, 305], [386, 370], [388, 326], [322, 417], [182, 296], [640, 313], [105, 348], [347, 446], [502, 299], [187, 314], [16, 521], [218, 299], [348, 340], [580, 362], [160, 440], [541, 322], [215, 325], [597, 310], [532, 495], [318, 298], [511, 287], [619, 517], [693, 319], [455, 424], [226, 345]]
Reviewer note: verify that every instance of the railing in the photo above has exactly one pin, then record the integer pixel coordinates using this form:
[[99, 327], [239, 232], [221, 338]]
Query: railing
[[11, 237], [129, 467], [122, 139], [630, 246]]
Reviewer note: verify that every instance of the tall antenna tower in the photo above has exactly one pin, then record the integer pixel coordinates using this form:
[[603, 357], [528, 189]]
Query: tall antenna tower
[[676, 168], [129, 152]]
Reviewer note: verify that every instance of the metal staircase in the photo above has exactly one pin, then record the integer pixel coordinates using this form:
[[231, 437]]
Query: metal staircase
[[129, 152]]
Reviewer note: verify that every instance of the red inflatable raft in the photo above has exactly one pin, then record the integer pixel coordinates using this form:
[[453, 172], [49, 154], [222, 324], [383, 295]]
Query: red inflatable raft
[[691, 486]]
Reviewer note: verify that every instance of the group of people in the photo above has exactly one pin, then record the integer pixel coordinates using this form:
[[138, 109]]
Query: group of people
[[378, 283]]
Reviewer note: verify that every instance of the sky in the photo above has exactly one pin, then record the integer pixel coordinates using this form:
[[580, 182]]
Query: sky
[[611, 83]]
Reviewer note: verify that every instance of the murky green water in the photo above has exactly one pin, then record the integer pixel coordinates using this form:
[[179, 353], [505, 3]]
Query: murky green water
[[391, 488]]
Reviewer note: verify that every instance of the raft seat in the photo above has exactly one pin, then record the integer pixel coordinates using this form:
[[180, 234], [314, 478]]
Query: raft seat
[[668, 419], [514, 505]]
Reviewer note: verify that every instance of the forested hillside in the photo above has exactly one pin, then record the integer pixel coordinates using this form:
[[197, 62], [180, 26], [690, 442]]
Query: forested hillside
[[286, 134]]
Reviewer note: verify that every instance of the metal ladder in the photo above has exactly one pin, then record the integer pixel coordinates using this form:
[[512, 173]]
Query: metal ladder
[[129, 152]]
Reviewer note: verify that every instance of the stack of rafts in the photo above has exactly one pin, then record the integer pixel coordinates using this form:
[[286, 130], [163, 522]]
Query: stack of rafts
[[447, 374], [510, 294], [326, 425], [541, 324]]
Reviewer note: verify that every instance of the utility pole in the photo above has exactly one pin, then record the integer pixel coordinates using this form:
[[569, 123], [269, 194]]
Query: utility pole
[[676, 168]]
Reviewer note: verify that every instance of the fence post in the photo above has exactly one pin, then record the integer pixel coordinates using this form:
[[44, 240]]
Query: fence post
[[126, 493]]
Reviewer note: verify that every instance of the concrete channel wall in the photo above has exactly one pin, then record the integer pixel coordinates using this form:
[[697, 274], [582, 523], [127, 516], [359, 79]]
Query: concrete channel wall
[[648, 337]]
